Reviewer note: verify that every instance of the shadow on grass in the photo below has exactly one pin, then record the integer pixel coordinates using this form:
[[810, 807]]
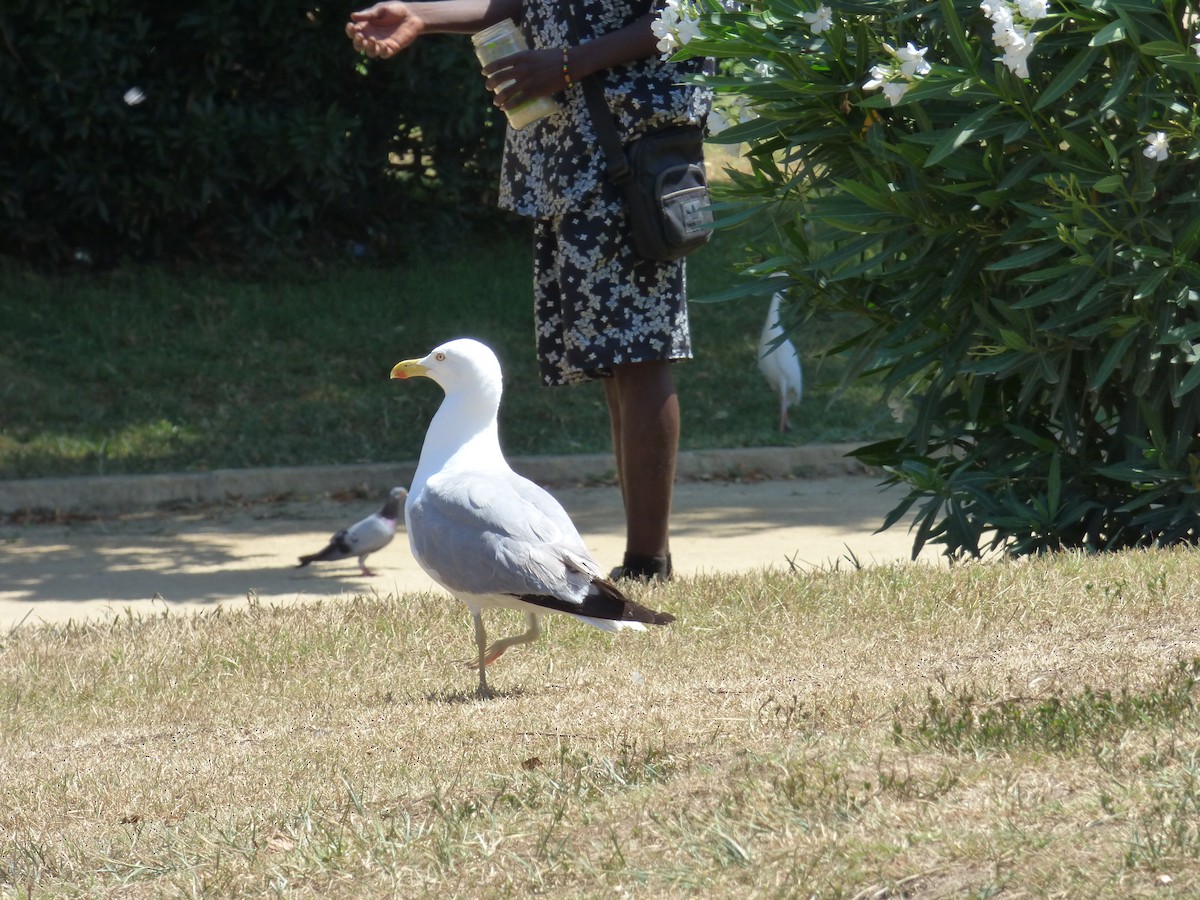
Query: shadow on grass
[[454, 698]]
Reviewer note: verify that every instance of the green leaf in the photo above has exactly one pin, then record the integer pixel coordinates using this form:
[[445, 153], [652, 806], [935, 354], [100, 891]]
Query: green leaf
[[1150, 285], [1040, 441], [1110, 184], [1184, 61], [735, 292], [1013, 340], [756, 129], [960, 134], [1120, 85], [1024, 258], [880, 198], [1114, 355], [1189, 239], [954, 29], [846, 213], [1160, 48], [1070, 75], [1038, 276], [1190, 382], [1109, 34]]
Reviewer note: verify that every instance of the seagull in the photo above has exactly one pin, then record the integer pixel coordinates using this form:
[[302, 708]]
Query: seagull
[[364, 537], [491, 537], [780, 363]]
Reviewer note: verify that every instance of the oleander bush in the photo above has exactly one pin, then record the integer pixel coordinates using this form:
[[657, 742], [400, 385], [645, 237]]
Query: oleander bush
[[219, 130], [1004, 197]]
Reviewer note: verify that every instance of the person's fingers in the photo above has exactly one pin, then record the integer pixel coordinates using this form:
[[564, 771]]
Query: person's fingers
[[379, 49]]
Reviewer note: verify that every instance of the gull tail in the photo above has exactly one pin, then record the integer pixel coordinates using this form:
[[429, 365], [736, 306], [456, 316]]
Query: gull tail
[[605, 607]]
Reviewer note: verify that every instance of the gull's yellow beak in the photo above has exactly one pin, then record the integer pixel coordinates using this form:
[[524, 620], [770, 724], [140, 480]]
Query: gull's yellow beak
[[409, 368]]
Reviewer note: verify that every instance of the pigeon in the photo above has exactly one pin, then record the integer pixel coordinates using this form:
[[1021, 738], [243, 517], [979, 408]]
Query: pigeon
[[365, 537], [780, 363], [491, 537]]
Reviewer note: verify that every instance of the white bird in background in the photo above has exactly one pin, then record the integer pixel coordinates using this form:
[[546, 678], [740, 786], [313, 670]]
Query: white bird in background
[[363, 538], [780, 363], [489, 536]]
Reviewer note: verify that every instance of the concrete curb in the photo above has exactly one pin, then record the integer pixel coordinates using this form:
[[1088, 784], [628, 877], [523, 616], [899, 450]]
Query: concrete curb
[[115, 494]]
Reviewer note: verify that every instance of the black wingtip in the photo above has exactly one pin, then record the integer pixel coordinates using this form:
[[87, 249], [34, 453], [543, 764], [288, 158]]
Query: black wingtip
[[604, 600], [631, 612]]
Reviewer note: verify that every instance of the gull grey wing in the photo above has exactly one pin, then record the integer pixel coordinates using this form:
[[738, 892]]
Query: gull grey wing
[[498, 534]]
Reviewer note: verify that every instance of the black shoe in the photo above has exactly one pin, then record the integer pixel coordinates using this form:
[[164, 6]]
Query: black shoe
[[643, 568]]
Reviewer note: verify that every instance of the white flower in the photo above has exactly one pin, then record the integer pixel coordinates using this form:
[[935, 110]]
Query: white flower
[[1014, 35], [1001, 13], [821, 20], [912, 61], [666, 42], [1033, 9], [763, 70], [720, 118], [1002, 21], [664, 26], [1011, 30], [899, 407], [674, 26], [1196, 46], [134, 96], [894, 90], [668, 16], [879, 76], [688, 28], [1156, 146], [897, 78], [1016, 56]]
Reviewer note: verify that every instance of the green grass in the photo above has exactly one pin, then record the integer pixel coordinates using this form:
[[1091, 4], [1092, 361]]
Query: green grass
[[1016, 728], [146, 370]]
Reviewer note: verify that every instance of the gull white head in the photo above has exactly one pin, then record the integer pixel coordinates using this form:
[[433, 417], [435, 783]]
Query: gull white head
[[464, 428], [462, 364]]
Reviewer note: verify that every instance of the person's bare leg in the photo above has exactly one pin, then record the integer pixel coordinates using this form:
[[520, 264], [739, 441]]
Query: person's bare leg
[[613, 399], [644, 415]]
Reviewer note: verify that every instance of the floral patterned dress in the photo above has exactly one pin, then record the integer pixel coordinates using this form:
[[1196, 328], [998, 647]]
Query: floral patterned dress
[[597, 303]]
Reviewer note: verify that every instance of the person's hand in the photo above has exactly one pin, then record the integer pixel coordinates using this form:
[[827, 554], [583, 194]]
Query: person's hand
[[383, 30], [525, 76]]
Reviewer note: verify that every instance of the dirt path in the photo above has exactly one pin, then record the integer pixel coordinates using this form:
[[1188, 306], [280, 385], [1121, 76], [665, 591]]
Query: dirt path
[[222, 556]]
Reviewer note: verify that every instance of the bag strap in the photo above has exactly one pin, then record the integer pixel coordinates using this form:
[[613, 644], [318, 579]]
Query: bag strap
[[616, 164]]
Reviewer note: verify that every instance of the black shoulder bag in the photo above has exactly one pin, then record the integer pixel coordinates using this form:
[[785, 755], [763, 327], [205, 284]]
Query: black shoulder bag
[[662, 177]]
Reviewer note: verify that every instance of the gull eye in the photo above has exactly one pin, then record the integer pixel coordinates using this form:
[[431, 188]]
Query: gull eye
[[440, 357]]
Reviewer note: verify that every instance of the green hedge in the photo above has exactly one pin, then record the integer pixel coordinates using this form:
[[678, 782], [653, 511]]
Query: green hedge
[[1002, 199], [227, 130]]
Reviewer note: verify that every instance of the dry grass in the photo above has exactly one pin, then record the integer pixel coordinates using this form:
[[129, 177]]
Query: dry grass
[[892, 731]]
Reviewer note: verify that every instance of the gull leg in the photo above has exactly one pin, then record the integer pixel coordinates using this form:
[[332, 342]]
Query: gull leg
[[532, 632], [362, 564], [783, 413], [481, 644]]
